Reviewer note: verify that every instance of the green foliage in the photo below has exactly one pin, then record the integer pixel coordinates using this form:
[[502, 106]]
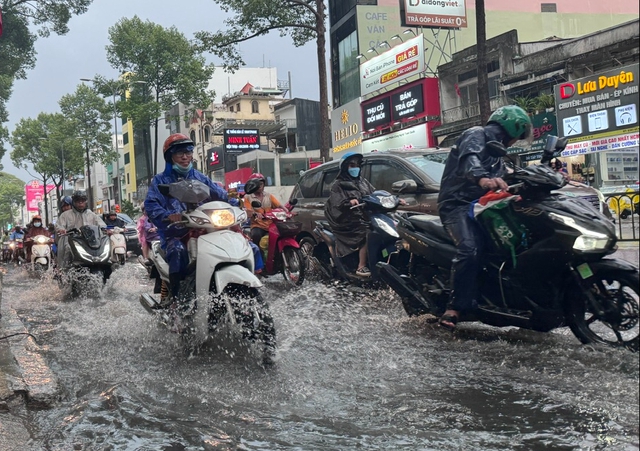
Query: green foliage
[[526, 103], [22, 22], [11, 194], [535, 104], [545, 101], [127, 207], [91, 116]]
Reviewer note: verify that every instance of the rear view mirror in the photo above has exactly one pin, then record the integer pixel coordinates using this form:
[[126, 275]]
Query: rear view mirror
[[164, 189], [549, 149], [293, 201], [404, 186], [256, 204]]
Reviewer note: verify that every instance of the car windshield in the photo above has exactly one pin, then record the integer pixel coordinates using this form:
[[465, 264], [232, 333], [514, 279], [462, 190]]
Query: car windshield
[[432, 164], [125, 217]]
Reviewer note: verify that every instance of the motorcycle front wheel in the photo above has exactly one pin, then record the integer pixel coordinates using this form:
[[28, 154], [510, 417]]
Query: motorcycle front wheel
[[617, 323], [293, 265]]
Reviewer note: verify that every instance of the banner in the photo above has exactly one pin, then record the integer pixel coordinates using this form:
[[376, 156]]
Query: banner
[[617, 143], [35, 194], [433, 13]]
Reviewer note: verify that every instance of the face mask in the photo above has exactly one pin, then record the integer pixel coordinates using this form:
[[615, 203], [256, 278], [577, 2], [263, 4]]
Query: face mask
[[180, 170], [354, 172], [37, 224]]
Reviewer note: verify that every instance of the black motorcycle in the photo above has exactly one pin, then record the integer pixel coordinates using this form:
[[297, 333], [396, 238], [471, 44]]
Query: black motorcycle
[[381, 238], [545, 265], [90, 255]]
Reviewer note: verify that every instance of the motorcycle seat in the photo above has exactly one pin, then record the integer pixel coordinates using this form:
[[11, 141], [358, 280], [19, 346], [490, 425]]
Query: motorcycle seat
[[430, 224]]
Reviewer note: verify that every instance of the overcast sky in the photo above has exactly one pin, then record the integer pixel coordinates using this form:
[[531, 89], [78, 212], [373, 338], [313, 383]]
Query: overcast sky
[[63, 60]]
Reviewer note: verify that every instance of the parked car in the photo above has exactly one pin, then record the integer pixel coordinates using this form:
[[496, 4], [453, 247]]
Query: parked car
[[382, 169]]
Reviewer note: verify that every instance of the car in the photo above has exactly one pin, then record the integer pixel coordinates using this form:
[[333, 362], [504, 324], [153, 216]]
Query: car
[[383, 169]]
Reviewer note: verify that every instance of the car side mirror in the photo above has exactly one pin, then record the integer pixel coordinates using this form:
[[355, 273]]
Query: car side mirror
[[404, 186], [256, 204], [164, 189]]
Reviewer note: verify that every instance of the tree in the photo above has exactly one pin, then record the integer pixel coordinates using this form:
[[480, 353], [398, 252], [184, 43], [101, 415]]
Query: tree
[[172, 69], [91, 116], [303, 20], [22, 22], [11, 197], [481, 48]]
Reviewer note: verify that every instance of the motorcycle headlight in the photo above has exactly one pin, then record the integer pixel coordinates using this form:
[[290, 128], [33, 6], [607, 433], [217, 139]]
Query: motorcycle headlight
[[105, 253], [280, 215], [12, 245], [223, 218], [384, 225], [82, 253], [200, 221], [589, 240], [42, 240], [387, 201]]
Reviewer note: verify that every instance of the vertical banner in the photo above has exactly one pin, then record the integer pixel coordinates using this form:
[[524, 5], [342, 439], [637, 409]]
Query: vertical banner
[[35, 194]]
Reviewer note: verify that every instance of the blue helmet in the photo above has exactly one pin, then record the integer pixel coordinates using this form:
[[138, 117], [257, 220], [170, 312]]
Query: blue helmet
[[344, 161]]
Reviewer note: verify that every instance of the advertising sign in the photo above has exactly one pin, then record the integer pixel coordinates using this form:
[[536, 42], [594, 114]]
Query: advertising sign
[[215, 159], [407, 102], [377, 24], [601, 105], [239, 140], [35, 194], [433, 13], [398, 63], [376, 113], [409, 138], [346, 128], [619, 143]]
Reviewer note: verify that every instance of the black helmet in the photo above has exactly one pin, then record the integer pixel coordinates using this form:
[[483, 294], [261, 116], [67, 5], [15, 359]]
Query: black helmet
[[252, 185], [77, 197]]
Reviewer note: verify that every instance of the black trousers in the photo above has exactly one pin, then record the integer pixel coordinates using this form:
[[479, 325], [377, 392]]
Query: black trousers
[[469, 240]]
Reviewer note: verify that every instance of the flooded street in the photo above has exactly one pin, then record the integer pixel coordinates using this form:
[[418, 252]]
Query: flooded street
[[353, 372]]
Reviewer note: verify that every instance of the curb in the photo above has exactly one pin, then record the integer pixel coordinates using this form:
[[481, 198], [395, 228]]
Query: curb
[[25, 377]]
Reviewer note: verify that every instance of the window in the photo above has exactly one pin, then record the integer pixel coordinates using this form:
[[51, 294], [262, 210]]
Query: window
[[469, 94], [383, 175], [125, 138], [327, 181], [255, 107], [349, 67], [128, 179], [127, 158], [548, 8], [267, 168], [231, 108], [309, 184], [207, 134], [238, 106], [290, 171], [192, 135]]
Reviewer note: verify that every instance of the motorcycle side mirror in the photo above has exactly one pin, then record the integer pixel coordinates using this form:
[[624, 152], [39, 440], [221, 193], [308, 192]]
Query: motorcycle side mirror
[[549, 150], [404, 186], [293, 201], [256, 204], [496, 149], [164, 189], [560, 146]]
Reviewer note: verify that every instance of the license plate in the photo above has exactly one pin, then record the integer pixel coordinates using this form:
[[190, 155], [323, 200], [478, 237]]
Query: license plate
[[584, 270]]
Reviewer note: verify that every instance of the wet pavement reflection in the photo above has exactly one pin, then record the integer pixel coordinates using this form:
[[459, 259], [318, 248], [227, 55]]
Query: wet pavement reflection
[[352, 372]]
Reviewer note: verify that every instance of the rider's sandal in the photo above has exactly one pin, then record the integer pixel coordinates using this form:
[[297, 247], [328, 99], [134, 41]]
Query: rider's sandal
[[448, 322], [363, 272]]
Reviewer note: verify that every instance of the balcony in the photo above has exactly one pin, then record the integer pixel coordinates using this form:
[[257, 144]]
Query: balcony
[[470, 111]]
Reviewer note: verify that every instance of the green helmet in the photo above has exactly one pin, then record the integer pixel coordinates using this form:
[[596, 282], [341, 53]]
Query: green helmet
[[514, 120]]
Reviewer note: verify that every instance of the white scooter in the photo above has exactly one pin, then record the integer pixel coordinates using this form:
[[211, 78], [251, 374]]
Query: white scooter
[[41, 253], [118, 245], [220, 285]]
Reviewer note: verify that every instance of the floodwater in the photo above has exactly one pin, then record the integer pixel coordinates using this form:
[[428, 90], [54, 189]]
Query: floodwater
[[353, 372]]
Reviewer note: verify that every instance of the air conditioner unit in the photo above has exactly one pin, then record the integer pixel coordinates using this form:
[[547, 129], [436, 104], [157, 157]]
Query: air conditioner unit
[[301, 148]]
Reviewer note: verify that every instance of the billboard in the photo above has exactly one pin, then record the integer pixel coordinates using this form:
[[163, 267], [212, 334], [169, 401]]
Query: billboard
[[433, 13], [409, 138], [400, 62], [346, 130], [239, 140], [35, 194], [598, 106], [215, 159]]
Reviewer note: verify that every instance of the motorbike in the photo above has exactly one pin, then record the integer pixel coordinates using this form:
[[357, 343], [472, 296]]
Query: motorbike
[[17, 251], [545, 265], [7, 251], [90, 251], [41, 253], [381, 239], [118, 245], [282, 252], [219, 285]]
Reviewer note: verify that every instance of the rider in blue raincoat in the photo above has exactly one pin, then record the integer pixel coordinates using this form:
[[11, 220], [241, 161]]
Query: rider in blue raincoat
[[163, 210]]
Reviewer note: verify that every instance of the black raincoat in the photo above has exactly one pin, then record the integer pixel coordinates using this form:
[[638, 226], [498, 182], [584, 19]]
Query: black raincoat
[[346, 224]]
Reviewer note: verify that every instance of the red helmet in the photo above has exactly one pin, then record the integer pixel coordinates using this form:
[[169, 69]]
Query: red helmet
[[172, 141], [257, 175]]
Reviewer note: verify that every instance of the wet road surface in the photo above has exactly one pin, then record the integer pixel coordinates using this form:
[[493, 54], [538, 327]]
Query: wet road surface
[[353, 372]]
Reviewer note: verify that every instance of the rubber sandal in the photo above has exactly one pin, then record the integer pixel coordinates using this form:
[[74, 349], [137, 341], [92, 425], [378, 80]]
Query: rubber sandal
[[363, 272], [448, 322]]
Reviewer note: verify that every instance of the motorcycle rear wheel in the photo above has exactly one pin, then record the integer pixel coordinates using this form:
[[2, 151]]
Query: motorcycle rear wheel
[[293, 265], [618, 292]]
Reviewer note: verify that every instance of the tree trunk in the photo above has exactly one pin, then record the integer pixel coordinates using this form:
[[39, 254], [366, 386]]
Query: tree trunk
[[325, 131], [89, 189], [481, 47]]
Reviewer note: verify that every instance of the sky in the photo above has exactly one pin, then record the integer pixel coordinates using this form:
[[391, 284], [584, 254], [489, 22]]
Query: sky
[[63, 60]]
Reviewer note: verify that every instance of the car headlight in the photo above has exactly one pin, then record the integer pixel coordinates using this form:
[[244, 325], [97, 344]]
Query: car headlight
[[589, 240], [384, 225], [387, 201], [223, 218]]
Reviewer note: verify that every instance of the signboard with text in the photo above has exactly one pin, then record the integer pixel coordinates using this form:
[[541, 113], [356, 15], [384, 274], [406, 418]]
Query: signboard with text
[[407, 102], [398, 63], [598, 106], [433, 13], [215, 159], [239, 140], [376, 113], [618, 143], [346, 128], [34, 193]]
